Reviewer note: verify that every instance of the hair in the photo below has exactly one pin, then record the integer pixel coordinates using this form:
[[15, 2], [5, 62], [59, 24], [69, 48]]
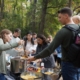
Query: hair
[[50, 36], [66, 10], [4, 31], [32, 41], [34, 33], [29, 33], [76, 19], [17, 30], [41, 36]]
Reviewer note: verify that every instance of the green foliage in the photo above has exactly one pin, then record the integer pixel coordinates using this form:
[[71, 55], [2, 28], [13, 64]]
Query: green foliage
[[27, 15]]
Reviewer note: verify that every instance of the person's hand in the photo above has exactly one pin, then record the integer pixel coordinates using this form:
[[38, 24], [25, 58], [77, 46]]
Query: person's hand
[[7, 38], [33, 51], [31, 58], [21, 42], [27, 52], [38, 60]]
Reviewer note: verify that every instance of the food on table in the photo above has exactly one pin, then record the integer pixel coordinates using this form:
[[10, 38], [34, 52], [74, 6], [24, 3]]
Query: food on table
[[24, 57], [34, 69], [30, 69], [27, 76], [48, 73]]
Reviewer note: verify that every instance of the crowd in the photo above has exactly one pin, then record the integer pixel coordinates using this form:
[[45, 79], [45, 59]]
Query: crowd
[[41, 49]]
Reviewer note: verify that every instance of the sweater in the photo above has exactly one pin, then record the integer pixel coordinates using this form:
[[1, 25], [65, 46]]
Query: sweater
[[3, 48], [63, 38], [49, 60]]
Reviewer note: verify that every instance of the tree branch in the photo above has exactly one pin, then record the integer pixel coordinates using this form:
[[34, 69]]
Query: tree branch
[[51, 7], [78, 12], [76, 8], [51, 14]]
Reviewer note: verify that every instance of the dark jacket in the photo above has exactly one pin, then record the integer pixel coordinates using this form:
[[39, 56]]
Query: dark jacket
[[63, 38], [48, 61]]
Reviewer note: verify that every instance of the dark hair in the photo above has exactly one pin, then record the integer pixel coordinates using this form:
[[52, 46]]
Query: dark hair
[[17, 30], [34, 33], [29, 33], [32, 41], [66, 10], [41, 36]]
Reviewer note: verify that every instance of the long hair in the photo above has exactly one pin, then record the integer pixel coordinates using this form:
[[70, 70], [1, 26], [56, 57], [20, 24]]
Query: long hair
[[41, 36], [32, 41]]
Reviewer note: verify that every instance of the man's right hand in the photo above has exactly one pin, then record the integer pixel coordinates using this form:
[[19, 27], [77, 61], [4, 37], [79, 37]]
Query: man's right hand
[[31, 59]]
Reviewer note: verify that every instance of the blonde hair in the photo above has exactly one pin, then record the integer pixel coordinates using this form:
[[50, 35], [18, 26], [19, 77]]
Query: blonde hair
[[76, 19]]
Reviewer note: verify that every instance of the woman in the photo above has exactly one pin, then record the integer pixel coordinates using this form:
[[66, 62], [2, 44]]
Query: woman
[[30, 46], [48, 61], [5, 44]]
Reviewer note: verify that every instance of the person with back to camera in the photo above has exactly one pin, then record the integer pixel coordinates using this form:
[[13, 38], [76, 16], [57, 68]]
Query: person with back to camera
[[63, 38]]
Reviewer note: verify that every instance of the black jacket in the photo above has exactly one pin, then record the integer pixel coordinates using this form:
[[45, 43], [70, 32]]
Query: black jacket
[[48, 61]]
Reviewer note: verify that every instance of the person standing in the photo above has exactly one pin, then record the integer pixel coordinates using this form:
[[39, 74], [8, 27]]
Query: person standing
[[64, 38], [48, 61], [5, 44], [29, 45]]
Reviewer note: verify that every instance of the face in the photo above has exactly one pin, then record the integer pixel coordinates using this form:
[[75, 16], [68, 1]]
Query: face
[[39, 41], [34, 36], [62, 18], [8, 37], [16, 34], [29, 36]]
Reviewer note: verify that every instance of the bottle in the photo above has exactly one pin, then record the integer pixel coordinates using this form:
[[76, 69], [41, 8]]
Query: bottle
[[42, 65]]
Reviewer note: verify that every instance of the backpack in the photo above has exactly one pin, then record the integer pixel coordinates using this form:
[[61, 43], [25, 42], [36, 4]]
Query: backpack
[[74, 49]]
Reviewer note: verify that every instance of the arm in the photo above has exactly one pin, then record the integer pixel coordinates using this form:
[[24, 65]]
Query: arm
[[46, 59], [7, 46], [55, 43]]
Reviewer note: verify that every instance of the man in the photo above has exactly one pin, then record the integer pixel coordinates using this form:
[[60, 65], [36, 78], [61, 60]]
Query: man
[[34, 36], [63, 38], [17, 33]]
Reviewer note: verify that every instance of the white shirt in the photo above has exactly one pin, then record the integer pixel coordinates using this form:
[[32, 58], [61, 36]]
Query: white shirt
[[30, 46]]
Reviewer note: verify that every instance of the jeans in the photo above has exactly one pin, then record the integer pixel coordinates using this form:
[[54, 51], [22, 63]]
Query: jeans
[[70, 72], [2, 76]]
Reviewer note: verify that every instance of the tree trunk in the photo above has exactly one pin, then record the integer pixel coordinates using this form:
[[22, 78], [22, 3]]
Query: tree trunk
[[1, 9], [43, 16], [33, 15], [70, 3]]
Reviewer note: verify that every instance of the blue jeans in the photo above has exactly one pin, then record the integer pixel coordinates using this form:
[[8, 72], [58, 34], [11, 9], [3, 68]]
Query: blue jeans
[[70, 72], [2, 76]]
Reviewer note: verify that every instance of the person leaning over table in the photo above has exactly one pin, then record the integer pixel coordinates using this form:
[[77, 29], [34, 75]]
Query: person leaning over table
[[63, 38], [5, 44]]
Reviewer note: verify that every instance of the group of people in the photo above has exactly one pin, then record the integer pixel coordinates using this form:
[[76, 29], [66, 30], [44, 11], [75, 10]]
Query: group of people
[[40, 49], [31, 43], [63, 38]]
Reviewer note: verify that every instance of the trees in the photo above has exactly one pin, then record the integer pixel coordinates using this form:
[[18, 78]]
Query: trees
[[1, 9], [36, 15]]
